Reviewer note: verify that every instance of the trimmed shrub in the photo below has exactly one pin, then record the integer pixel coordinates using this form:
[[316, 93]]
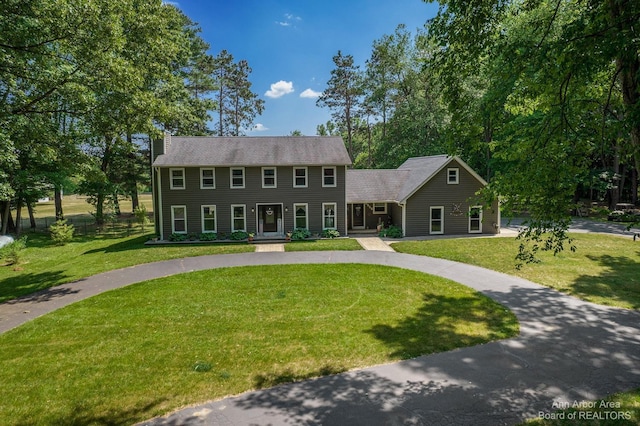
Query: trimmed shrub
[[238, 235], [178, 237], [208, 236], [61, 232], [10, 254], [330, 233], [300, 234], [391, 232]]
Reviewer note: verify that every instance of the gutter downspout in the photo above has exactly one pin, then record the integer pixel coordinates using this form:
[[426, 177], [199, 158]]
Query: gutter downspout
[[160, 206]]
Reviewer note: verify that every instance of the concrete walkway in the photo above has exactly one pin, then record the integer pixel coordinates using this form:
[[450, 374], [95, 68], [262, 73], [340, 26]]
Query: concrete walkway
[[568, 350], [373, 243]]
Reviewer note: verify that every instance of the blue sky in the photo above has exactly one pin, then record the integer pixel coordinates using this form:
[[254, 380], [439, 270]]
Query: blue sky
[[290, 45]]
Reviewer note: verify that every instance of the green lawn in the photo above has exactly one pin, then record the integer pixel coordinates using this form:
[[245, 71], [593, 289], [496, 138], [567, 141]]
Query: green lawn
[[328, 244], [146, 349], [45, 265], [603, 270]]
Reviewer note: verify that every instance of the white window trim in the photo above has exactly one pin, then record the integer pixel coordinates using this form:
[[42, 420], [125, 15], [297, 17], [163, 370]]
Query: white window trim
[[457, 170], [275, 177], [335, 215], [306, 177], [184, 178], [431, 209], [306, 214], [479, 230], [215, 217], [231, 169], [335, 177], [244, 217], [373, 208], [202, 178], [173, 220]]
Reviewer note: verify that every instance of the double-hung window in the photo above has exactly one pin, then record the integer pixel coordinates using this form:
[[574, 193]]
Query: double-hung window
[[176, 178], [328, 176], [179, 219], [207, 178], [328, 215], [238, 219], [299, 177], [209, 219], [300, 212], [269, 177], [453, 176], [436, 220], [237, 177]]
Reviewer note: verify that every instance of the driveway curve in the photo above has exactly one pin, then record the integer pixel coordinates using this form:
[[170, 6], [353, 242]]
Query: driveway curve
[[568, 351]]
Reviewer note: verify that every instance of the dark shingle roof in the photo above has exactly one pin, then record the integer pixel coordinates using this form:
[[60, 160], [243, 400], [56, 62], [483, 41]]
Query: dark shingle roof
[[254, 151], [369, 186], [384, 185], [421, 170]]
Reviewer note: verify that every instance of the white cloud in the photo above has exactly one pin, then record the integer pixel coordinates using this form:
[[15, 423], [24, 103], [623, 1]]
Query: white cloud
[[310, 94], [289, 20], [260, 128], [279, 89]]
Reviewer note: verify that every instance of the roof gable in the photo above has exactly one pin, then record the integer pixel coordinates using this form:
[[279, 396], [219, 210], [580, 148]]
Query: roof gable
[[253, 151], [423, 169]]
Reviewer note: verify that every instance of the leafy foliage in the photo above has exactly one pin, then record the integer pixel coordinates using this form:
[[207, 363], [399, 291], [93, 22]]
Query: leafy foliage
[[300, 234], [392, 232], [330, 233], [61, 232], [10, 254]]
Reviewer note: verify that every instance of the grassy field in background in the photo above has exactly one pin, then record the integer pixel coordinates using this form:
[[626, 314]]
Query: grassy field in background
[[137, 352]]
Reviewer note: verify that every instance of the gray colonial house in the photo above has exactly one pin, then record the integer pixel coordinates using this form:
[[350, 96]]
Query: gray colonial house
[[272, 185]]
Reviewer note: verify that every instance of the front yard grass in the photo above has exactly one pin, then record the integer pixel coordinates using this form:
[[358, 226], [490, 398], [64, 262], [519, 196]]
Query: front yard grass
[[137, 352], [325, 244], [45, 265], [603, 269]]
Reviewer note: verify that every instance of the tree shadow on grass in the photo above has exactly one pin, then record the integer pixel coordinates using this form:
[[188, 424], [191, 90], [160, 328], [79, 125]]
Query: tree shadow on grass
[[262, 381], [81, 415], [39, 284], [435, 327], [120, 246], [620, 281]]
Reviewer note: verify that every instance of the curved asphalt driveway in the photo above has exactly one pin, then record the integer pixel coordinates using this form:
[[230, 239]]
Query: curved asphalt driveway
[[568, 350]]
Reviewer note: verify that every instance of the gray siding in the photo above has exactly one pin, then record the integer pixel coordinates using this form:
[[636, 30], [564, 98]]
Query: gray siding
[[223, 196], [436, 192]]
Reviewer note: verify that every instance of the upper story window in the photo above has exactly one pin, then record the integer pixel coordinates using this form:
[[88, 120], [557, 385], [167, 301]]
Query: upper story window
[[237, 177], [328, 176], [176, 178], [269, 177], [453, 176], [208, 178], [299, 177]]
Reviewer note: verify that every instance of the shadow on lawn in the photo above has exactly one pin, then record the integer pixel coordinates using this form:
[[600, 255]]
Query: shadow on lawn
[[620, 281], [129, 244], [81, 415], [568, 350], [435, 327], [34, 285]]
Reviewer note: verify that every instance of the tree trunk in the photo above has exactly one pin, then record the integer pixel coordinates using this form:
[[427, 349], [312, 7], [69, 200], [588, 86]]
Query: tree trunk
[[32, 218], [57, 195], [6, 212], [135, 201], [18, 217], [99, 209]]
